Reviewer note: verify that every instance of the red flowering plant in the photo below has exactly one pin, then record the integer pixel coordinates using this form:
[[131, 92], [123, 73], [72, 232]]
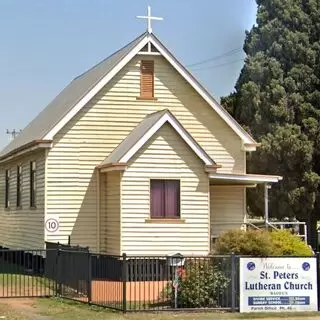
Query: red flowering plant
[[181, 272]]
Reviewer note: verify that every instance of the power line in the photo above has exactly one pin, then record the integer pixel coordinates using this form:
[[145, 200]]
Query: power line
[[218, 65], [222, 55]]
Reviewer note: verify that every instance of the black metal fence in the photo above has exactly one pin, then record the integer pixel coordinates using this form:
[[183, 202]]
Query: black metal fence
[[171, 283], [123, 283], [25, 274]]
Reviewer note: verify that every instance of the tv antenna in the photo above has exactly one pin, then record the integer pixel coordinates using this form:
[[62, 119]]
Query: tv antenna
[[14, 133]]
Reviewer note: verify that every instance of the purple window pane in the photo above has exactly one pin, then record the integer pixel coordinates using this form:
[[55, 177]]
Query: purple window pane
[[172, 198], [157, 199]]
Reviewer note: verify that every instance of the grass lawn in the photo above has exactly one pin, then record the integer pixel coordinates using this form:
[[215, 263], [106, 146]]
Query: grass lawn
[[63, 309], [7, 312]]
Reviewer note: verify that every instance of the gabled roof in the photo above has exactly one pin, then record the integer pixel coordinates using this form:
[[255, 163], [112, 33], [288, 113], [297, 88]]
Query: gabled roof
[[83, 88], [63, 103], [145, 130]]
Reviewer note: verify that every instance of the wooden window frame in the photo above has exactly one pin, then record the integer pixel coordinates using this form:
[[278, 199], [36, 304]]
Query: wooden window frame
[[33, 185], [146, 70], [165, 216], [7, 189], [19, 186]]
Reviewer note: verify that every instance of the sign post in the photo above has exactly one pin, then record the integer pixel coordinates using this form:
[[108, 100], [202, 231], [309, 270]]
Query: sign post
[[176, 261], [278, 284]]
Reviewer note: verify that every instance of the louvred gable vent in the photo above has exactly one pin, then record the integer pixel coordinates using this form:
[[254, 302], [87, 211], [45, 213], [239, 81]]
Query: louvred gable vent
[[147, 78]]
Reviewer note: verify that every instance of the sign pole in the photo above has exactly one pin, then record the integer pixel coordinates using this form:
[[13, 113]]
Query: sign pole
[[233, 282]]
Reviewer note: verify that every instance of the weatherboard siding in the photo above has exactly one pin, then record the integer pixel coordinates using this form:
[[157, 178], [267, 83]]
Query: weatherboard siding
[[111, 214], [23, 227], [165, 156], [227, 206], [107, 119]]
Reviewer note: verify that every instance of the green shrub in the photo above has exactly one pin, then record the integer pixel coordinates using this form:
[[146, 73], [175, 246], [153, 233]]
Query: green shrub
[[286, 244], [261, 243], [251, 242], [201, 285]]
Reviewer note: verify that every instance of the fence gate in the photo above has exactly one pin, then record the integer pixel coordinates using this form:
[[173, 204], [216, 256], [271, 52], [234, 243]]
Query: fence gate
[[26, 273]]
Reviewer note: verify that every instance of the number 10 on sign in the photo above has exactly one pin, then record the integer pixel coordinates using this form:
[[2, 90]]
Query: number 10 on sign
[[52, 224]]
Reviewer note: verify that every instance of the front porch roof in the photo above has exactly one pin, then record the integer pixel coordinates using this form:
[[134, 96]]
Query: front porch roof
[[241, 179]]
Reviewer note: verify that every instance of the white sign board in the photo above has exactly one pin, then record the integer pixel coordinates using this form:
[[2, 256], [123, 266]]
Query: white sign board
[[278, 284], [52, 224]]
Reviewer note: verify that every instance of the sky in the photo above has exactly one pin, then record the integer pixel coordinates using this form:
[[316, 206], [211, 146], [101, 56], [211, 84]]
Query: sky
[[46, 43]]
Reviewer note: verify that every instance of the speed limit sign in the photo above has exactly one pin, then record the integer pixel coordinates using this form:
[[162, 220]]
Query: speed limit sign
[[52, 224]]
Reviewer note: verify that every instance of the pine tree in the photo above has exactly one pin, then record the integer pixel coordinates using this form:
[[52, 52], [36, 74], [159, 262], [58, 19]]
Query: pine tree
[[277, 99]]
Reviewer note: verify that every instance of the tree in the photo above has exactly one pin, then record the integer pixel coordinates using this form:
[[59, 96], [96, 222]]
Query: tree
[[277, 99]]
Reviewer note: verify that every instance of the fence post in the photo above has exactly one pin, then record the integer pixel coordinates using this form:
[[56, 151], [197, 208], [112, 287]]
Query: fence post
[[233, 282], [124, 283], [58, 272], [318, 278], [89, 277]]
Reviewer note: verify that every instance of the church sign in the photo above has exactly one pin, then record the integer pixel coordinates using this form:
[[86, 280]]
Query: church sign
[[278, 284]]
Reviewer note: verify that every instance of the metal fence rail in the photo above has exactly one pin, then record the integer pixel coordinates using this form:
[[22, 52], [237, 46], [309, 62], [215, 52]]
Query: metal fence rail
[[108, 281], [25, 274], [73, 277], [126, 283], [143, 283]]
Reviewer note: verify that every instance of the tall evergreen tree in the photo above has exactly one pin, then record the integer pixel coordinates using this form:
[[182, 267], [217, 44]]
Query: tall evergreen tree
[[277, 99]]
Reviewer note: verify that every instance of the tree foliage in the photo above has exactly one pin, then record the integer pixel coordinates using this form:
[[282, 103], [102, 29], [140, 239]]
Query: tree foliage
[[277, 99]]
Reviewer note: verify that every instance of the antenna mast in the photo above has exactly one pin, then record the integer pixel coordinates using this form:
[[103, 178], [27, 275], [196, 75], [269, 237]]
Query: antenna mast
[[14, 133]]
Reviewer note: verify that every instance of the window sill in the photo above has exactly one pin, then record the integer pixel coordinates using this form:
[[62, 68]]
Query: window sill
[[33, 208], [147, 99], [167, 221]]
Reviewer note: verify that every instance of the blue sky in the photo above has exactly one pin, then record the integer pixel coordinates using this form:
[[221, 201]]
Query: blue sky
[[46, 43]]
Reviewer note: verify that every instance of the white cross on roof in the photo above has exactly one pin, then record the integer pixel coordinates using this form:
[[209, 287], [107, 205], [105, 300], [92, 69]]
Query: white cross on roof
[[149, 18]]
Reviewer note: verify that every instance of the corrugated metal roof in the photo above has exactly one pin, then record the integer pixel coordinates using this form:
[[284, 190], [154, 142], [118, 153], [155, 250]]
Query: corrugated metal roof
[[68, 98], [136, 134]]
